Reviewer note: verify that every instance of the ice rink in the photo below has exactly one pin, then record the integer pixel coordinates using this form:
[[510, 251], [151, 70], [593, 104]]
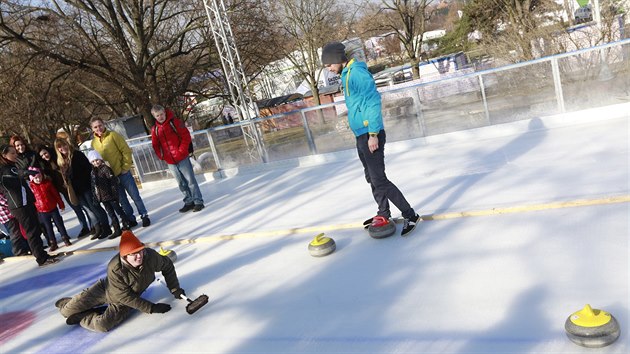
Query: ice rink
[[525, 224]]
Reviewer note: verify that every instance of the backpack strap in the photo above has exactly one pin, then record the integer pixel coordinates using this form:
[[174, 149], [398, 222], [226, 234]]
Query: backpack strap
[[190, 147], [175, 130]]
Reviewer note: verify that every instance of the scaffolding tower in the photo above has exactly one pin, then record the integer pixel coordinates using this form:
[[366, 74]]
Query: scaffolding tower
[[235, 78]]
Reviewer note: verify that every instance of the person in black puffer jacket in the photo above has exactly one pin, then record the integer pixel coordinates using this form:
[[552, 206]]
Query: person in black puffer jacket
[[21, 203]]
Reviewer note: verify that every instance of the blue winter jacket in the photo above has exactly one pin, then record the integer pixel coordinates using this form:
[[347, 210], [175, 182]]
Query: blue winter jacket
[[362, 99]]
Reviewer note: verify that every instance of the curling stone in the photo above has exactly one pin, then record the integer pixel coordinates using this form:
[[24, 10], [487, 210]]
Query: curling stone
[[321, 246], [168, 253], [381, 227], [592, 328]]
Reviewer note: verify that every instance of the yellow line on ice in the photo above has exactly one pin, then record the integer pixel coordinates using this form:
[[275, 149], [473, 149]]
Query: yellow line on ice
[[318, 229], [528, 208]]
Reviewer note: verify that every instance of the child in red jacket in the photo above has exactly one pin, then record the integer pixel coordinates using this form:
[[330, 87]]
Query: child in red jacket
[[46, 200]]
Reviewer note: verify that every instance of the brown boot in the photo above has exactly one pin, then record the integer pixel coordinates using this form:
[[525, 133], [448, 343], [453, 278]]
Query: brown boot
[[53, 246]]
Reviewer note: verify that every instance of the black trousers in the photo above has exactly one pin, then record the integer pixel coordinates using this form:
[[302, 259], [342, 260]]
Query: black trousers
[[112, 207], [383, 189], [27, 217], [19, 246]]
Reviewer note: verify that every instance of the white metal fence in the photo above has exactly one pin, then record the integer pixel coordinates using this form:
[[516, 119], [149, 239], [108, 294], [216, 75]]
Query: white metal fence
[[587, 78]]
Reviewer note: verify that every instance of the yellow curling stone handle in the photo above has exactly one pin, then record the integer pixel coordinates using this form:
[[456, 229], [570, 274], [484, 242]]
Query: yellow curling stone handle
[[320, 240], [164, 252], [589, 317]]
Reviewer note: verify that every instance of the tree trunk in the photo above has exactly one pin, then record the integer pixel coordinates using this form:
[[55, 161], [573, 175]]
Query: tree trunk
[[149, 121], [415, 68]]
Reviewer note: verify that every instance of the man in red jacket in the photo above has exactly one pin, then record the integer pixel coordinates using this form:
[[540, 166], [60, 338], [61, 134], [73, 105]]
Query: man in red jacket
[[171, 141]]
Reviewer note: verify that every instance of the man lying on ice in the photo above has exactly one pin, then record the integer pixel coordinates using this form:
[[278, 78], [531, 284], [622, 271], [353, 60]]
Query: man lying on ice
[[109, 301]]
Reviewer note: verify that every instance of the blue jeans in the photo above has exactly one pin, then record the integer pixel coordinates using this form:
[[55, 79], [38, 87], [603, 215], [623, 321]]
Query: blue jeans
[[77, 210], [127, 183], [93, 208], [185, 177], [47, 219]]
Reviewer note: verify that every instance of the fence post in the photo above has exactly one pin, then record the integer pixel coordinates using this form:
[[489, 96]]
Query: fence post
[[309, 134], [485, 100], [137, 166], [213, 148], [557, 84], [419, 116]]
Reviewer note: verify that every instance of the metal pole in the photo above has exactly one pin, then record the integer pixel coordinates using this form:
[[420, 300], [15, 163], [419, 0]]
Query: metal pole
[[309, 134], [557, 84], [215, 154], [234, 74], [482, 87], [597, 17], [419, 115], [135, 163]]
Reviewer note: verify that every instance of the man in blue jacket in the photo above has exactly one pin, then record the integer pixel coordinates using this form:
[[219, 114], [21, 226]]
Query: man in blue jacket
[[366, 121]]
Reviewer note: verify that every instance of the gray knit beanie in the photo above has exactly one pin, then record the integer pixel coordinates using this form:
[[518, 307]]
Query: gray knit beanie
[[334, 53]]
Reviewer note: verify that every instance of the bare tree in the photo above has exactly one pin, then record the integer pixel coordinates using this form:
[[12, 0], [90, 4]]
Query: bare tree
[[408, 19], [305, 27], [40, 95], [146, 52], [512, 29]]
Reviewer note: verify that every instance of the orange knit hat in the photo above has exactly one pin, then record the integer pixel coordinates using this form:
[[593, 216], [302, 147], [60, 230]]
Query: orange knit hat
[[129, 243]]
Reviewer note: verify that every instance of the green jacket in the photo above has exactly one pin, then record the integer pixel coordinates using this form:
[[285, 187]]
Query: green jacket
[[114, 149], [125, 283]]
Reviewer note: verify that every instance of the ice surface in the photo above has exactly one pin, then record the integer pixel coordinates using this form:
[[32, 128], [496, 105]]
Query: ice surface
[[495, 283]]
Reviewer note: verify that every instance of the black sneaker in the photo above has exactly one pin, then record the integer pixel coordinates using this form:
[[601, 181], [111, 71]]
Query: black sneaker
[[187, 207], [198, 207], [409, 224], [49, 261], [367, 223], [62, 302], [146, 221], [133, 222]]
